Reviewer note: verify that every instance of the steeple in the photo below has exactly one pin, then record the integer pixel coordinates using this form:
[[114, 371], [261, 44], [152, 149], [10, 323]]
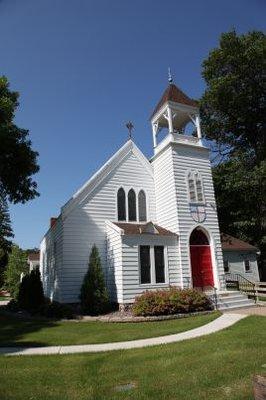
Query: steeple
[[174, 111]]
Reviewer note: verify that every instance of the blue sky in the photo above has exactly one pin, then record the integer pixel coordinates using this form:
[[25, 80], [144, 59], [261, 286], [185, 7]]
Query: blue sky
[[84, 68]]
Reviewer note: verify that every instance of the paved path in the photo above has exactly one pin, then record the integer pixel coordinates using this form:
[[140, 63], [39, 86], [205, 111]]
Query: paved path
[[259, 310], [222, 322]]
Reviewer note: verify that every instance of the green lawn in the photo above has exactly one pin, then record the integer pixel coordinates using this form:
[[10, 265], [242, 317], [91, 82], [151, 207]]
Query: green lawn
[[215, 367], [41, 333]]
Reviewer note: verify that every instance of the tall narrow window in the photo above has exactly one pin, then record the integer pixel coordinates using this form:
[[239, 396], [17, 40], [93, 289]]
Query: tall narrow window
[[199, 188], [191, 188], [145, 264], [226, 266], [247, 266], [159, 264], [142, 206], [121, 205], [132, 212], [195, 187]]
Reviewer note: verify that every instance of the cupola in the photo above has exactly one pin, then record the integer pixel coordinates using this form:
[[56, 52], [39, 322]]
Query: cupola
[[174, 111]]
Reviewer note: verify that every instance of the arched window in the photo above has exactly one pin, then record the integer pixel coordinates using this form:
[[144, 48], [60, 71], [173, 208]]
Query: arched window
[[121, 205], [132, 212], [142, 206], [191, 187], [195, 187], [199, 188]]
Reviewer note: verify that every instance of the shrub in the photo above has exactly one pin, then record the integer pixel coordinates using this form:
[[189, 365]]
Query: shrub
[[94, 297], [170, 301], [30, 296], [17, 264], [54, 309]]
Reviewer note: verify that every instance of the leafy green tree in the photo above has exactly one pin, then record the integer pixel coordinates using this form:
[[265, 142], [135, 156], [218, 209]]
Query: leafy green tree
[[17, 264], [233, 106], [30, 295], [5, 235], [94, 296], [233, 113], [18, 162]]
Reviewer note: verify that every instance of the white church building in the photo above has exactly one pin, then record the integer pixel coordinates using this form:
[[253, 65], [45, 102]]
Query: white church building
[[154, 221]]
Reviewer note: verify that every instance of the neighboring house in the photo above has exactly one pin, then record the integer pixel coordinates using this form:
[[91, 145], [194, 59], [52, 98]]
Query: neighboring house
[[33, 260], [240, 258], [154, 221]]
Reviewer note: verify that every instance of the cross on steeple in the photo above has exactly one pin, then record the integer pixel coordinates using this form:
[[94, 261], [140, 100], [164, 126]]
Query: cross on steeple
[[130, 128], [170, 77]]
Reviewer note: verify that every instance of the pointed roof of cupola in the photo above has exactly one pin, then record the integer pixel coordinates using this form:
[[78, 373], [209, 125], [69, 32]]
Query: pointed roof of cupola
[[174, 94]]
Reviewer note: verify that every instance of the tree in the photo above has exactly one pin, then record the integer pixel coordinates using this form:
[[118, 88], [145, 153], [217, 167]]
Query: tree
[[17, 264], [30, 294], [5, 235], [233, 112], [233, 106], [18, 162], [94, 296]]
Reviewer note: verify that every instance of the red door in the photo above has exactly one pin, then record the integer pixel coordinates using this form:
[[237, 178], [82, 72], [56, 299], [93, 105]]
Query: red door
[[201, 266]]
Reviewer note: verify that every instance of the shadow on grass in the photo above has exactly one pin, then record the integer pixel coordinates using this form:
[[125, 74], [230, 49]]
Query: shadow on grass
[[13, 329]]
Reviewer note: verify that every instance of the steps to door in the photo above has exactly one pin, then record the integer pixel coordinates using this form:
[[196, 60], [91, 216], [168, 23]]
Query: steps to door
[[233, 300]]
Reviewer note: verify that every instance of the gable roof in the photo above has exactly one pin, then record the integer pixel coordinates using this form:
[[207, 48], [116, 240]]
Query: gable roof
[[173, 93], [232, 243], [142, 229], [104, 171]]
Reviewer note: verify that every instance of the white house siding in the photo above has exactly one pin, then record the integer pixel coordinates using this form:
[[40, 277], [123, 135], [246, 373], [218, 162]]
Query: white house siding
[[236, 264], [84, 225], [114, 263], [187, 158], [165, 190], [130, 260], [51, 258]]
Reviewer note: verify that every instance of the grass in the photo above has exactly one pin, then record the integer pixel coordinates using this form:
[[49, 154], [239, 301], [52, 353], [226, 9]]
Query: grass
[[216, 367], [14, 331], [4, 298]]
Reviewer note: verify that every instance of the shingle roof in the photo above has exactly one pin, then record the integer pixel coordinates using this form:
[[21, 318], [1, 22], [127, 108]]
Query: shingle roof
[[142, 229], [232, 243], [173, 93], [34, 256]]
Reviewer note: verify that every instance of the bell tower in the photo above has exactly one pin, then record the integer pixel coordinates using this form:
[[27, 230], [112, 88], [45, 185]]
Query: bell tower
[[185, 199], [173, 112]]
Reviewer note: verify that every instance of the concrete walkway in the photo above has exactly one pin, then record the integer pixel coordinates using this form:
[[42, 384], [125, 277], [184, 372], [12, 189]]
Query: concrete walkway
[[218, 324]]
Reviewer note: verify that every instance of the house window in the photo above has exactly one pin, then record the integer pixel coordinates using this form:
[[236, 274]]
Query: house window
[[159, 264], [121, 205], [195, 187], [142, 206], [145, 264], [247, 266], [152, 265], [132, 212], [226, 266]]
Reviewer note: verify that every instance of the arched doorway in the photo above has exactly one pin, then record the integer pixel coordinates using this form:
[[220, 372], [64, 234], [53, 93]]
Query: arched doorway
[[201, 262]]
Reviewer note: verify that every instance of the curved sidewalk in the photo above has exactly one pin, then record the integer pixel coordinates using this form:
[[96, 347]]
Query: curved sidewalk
[[218, 324]]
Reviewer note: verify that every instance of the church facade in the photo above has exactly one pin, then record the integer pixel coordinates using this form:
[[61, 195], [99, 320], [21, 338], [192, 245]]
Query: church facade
[[154, 221]]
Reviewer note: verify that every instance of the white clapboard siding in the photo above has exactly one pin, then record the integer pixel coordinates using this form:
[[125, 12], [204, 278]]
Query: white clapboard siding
[[186, 158], [130, 260], [114, 263], [171, 166], [236, 263], [85, 224], [51, 260]]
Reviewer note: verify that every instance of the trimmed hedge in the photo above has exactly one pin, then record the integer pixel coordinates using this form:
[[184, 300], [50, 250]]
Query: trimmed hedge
[[170, 301]]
